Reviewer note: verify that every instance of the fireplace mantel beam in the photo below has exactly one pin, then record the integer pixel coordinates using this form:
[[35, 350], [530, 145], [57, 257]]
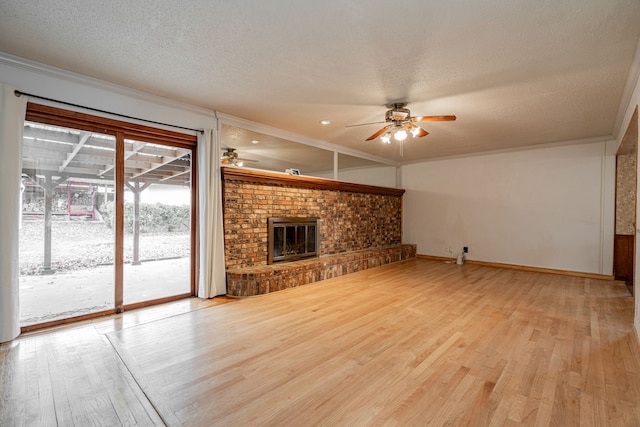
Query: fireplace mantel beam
[[277, 178]]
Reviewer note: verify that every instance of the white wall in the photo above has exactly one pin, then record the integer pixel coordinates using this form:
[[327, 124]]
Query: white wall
[[548, 207]]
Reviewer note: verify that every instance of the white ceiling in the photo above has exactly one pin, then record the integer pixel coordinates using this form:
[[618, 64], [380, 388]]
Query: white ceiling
[[514, 72]]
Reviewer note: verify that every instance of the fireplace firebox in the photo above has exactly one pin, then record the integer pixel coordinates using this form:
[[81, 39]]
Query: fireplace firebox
[[292, 239]]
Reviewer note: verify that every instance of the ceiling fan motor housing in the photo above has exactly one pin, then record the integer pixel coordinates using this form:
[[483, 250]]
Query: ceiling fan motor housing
[[397, 114], [230, 153]]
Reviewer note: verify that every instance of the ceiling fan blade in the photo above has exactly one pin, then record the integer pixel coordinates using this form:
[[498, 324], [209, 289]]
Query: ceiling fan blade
[[433, 119], [421, 131], [380, 132], [365, 124]]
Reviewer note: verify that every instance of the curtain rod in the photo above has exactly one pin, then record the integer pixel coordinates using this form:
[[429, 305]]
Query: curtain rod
[[20, 93]]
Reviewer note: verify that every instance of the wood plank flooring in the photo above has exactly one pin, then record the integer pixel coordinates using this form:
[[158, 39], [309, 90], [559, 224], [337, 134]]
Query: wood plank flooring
[[413, 343]]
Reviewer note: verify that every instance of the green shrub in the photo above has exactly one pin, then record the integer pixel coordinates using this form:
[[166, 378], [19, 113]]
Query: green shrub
[[154, 218]]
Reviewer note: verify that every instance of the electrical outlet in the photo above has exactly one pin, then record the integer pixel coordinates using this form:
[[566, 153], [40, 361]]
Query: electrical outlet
[[465, 249], [450, 249]]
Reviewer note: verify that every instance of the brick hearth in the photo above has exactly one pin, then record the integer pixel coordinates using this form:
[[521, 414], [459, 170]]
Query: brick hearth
[[276, 277], [360, 227]]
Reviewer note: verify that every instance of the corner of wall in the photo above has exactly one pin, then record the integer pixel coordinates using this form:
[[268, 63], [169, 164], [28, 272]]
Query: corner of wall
[[637, 321]]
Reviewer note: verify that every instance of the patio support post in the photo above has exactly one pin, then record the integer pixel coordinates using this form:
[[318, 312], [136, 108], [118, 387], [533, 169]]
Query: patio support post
[[47, 185], [136, 188], [136, 227], [48, 197]]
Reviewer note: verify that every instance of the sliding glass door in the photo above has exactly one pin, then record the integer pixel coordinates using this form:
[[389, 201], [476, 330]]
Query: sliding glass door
[[66, 230], [107, 216], [157, 226]]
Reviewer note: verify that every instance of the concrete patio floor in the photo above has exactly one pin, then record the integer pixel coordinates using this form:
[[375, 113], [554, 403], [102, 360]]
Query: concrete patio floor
[[61, 295]]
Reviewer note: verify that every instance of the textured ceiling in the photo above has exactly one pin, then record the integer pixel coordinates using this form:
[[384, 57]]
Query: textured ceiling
[[514, 72]]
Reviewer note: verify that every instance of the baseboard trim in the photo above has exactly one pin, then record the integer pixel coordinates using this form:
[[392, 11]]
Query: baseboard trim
[[524, 268], [435, 258]]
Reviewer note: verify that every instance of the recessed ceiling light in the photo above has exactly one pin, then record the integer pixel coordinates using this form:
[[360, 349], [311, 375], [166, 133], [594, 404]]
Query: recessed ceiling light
[[255, 141], [325, 122]]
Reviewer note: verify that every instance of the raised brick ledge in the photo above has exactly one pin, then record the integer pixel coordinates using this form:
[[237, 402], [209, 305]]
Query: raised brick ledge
[[284, 179], [263, 279]]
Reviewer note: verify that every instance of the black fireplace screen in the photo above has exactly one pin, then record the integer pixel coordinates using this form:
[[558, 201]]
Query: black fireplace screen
[[292, 238]]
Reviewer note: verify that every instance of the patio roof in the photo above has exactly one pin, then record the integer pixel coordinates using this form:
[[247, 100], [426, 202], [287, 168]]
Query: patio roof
[[65, 153]]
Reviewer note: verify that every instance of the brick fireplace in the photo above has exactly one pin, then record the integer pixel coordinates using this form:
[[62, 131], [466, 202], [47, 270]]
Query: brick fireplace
[[359, 226]]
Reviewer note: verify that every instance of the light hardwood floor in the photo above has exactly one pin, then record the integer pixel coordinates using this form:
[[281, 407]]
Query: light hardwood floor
[[414, 343]]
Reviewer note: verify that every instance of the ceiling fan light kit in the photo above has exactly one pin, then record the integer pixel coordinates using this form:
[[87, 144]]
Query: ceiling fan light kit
[[400, 135], [402, 124], [230, 157]]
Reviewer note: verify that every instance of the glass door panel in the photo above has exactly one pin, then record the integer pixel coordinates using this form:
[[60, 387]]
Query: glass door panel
[[157, 221], [66, 245]]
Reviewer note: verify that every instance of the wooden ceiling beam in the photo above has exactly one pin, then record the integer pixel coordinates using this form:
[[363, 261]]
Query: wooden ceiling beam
[[83, 138]]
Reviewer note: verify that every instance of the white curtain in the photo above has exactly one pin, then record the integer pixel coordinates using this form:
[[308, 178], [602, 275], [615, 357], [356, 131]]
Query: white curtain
[[211, 269], [12, 113]]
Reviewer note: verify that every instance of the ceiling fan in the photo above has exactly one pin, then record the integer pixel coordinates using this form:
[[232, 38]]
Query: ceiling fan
[[230, 157], [402, 124]]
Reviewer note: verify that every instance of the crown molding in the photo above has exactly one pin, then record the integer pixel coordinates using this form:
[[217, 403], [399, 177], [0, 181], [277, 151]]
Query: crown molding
[[529, 147]]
